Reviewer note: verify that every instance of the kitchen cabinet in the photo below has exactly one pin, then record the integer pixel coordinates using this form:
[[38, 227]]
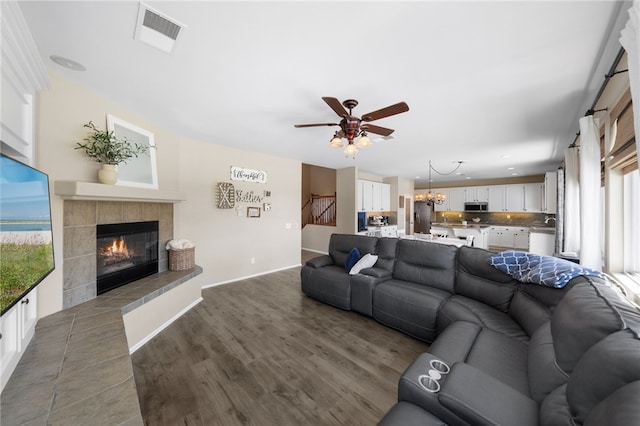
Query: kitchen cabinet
[[385, 194], [509, 237], [514, 198], [542, 243], [453, 202], [374, 196], [476, 194], [532, 197], [390, 231], [496, 198], [550, 193]]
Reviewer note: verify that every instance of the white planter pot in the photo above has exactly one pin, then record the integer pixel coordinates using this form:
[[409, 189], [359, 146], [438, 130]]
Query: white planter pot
[[108, 174]]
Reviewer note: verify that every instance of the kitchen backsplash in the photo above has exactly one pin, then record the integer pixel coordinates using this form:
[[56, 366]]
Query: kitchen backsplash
[[503, 219]]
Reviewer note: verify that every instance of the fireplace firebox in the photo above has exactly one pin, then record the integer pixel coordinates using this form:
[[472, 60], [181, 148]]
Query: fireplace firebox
[[125, 252]]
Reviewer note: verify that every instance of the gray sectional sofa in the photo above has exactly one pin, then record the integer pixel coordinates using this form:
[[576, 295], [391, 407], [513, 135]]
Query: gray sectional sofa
[[503, 352]]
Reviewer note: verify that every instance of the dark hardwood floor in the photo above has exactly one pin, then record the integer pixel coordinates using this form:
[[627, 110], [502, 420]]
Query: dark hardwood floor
[[259, 352]]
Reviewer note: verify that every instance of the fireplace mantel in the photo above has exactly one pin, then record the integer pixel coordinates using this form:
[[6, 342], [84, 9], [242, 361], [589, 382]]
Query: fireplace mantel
[[74, 190]]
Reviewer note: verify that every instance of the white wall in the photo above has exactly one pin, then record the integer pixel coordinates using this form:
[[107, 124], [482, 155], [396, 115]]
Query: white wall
[[225, 243], [226, 240]]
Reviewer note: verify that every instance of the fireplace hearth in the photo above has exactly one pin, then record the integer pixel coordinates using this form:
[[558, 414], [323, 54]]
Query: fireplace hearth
[[125, 252]]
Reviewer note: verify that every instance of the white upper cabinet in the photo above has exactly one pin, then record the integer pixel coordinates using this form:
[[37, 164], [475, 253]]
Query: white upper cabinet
[[550, 193], [476, 194], [374, 196], [23, 75], [385, 195], [514, 198], [533, 202], [496, 198], [456, 199]]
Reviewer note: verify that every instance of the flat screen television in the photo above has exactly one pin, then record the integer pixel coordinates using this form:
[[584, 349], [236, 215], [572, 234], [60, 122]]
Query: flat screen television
[[26, 238]]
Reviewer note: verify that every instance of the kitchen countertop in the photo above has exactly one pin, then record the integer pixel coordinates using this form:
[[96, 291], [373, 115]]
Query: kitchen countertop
[[543, 229], [470, 225]]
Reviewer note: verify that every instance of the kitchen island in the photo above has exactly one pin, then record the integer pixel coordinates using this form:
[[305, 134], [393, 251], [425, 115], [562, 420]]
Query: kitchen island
[[480, 232]]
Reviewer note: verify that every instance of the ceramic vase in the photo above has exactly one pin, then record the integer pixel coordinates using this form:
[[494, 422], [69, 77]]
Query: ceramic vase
[[108, 174]]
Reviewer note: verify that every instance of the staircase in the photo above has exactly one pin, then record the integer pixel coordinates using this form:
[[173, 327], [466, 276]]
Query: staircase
[[319, 210]]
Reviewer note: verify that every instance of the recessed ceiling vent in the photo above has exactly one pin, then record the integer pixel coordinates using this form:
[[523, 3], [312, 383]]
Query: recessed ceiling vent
[[157, 29]]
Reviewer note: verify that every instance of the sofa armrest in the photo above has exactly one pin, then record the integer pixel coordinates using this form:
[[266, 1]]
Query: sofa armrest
[[377, 273], [320, 261], [362, 286], [480, 399]]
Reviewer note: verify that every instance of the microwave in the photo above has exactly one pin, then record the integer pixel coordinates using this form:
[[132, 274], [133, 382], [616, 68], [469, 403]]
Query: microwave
[[480, 206]]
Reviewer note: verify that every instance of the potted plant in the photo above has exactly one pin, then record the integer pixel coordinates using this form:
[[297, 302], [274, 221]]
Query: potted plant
[[105, 148]]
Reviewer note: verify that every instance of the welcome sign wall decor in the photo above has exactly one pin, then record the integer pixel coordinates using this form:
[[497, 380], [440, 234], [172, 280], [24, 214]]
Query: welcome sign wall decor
[[248, 175]]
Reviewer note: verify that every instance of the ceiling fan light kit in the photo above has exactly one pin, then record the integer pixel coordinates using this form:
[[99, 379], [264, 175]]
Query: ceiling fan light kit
[[352, 127]]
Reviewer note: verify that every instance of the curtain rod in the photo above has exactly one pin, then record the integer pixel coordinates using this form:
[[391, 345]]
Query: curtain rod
[[612, 72]]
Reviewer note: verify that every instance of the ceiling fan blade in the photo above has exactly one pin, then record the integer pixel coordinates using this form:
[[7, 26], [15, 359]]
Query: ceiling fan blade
[[335, 105], [371, 128], [315, 125], [398, 108]]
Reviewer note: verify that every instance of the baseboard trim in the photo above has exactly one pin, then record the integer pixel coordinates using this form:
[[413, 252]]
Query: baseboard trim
[[249, 276], [166, 324], [315, 251]]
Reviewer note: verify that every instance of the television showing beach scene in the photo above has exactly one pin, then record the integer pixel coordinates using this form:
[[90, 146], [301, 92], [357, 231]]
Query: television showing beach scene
[[26, 240]]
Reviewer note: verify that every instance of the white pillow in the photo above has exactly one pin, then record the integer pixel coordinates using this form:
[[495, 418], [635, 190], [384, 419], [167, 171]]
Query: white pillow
[[367, 261]]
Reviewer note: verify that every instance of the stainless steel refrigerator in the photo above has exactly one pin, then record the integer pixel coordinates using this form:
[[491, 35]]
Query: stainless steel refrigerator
[[422, 217]]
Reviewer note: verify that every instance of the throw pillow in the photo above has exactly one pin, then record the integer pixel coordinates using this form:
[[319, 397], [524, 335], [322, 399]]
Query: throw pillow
[[367, 261], [544, 270], [352, 259]]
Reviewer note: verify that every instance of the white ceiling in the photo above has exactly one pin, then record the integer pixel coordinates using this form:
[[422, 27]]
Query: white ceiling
[[498, 84]]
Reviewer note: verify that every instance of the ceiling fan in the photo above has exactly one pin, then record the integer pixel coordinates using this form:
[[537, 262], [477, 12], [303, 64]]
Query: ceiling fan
[[352, 127]]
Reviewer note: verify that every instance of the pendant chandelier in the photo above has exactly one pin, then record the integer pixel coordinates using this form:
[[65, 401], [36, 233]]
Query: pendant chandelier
[[437, 198]]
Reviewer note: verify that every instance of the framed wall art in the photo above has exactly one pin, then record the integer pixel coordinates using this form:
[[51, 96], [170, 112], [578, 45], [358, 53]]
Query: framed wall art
[[253, 211], [138, 171]]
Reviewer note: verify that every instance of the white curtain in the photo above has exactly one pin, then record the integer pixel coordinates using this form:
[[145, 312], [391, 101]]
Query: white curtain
[[630, 40], [590, 199], [572, 201]]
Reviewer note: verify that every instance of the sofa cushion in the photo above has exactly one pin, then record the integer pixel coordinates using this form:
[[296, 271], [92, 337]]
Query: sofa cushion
[[478, 280], [607, 366], [405, 414], [544, 270], [543, 370], [554, 410], [621, 408], [460, 308], [426, 263], [341, 244], [386, 251], [529, 312], [494, 353], [583, 317], [480, 399], [409, 307], [329, 284]]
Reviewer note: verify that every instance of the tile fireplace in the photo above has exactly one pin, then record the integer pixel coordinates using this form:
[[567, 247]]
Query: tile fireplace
[[81, 221], [125, 252]]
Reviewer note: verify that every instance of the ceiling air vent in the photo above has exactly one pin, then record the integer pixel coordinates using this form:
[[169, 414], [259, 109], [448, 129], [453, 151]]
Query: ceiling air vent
[[157, 29]]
